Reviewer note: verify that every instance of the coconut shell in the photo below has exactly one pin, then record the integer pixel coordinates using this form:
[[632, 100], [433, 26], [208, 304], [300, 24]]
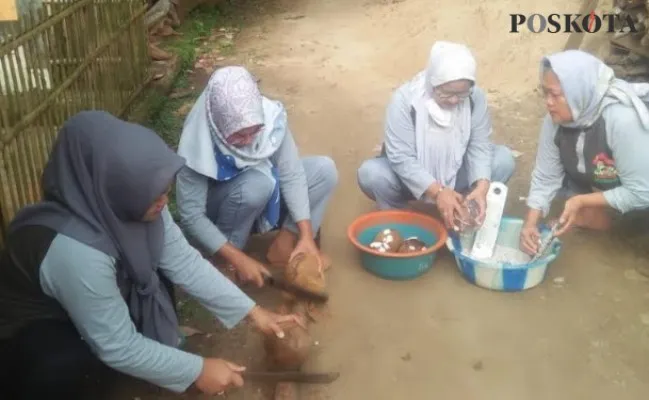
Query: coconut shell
[[391, 237], [412, 245], [290, 352]]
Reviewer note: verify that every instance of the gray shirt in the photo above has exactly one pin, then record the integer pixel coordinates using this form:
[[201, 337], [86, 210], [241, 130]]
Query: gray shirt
[[192, 194], [400, 142], [628, 140], [83, 280]]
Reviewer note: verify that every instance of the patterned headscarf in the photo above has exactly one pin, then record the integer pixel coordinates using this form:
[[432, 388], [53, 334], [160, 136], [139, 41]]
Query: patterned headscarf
[[233, 101]]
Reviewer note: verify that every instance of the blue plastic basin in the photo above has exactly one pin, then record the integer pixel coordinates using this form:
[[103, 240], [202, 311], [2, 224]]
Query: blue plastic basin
[[397, 266]]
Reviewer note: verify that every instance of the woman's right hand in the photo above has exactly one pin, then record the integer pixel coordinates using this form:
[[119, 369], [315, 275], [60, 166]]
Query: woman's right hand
[[219, 375], [250, 270], [244, 268], [450, 205], [530, 237]]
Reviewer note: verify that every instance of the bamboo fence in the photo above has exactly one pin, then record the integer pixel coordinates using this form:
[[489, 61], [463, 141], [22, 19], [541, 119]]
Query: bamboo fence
[[61, 57]]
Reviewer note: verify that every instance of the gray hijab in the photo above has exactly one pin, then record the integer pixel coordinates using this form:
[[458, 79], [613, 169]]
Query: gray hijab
[[589, 86], [102, 176]]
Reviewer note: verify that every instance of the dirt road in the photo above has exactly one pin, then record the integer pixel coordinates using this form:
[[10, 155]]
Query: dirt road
[[583, 334]]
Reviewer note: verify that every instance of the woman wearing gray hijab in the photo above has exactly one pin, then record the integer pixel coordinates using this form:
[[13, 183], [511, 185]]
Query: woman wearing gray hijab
[[244, 174], [86, 275], [592, 147]]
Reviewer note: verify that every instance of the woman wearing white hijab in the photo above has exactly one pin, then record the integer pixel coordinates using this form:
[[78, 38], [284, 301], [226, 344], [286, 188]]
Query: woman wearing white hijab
[[437, 143], [593, 145], [242, 167]]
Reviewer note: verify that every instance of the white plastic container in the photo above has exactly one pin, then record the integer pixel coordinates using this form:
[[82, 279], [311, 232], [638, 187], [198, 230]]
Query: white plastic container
[[486, 236]]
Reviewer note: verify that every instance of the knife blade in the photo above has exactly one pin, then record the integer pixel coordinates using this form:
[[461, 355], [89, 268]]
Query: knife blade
[[545, 243], [293, 376], [281, 284]]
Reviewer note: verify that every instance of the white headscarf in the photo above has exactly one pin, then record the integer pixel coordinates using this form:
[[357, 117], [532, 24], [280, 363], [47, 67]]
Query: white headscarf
[[442, 135], [589, 86]]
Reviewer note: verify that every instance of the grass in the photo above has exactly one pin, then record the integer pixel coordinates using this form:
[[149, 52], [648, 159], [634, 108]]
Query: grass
[[195, 30], [198, 27]]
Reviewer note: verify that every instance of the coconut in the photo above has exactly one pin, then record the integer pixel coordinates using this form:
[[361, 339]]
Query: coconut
[[305, 272], [412, 245], [381, 247], [390, 237], [291, 351]]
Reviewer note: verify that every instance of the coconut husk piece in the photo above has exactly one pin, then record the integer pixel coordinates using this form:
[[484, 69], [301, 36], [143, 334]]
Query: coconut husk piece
[[158, 54], [290, 352], [167, 30]]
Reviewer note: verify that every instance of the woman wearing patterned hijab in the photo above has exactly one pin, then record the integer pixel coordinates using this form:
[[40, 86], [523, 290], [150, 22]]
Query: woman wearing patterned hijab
[[86, 274], [243, 168]]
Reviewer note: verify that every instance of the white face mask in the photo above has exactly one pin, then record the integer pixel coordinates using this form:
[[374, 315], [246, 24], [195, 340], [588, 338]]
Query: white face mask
[[440, 116]]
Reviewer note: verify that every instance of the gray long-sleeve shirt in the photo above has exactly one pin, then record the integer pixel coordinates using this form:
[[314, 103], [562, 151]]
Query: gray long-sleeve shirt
[[83, 280], [401, 150], [628, 140], [192, 190]]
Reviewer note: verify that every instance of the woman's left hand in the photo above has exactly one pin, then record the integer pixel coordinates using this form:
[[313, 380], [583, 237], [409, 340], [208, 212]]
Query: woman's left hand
[[479, 195], [307, 245], [570, 212], [269, 323]]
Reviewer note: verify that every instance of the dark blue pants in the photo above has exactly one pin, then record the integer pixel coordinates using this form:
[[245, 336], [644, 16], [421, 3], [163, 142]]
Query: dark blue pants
[[48, 359]]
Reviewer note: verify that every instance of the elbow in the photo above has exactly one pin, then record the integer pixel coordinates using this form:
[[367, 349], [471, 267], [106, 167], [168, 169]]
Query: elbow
[[119, 355], [626, 200], [185, 219]]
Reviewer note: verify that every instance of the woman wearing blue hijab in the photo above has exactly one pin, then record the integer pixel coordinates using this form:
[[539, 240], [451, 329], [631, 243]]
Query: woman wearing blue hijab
[[592, 147], [243, 169]]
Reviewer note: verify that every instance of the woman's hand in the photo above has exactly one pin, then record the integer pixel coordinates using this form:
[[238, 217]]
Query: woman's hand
[[479, 195], [269, 323], [529, 241], [570, 214], [250, 270], [307, 245], [219, 375], [449, 203]]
